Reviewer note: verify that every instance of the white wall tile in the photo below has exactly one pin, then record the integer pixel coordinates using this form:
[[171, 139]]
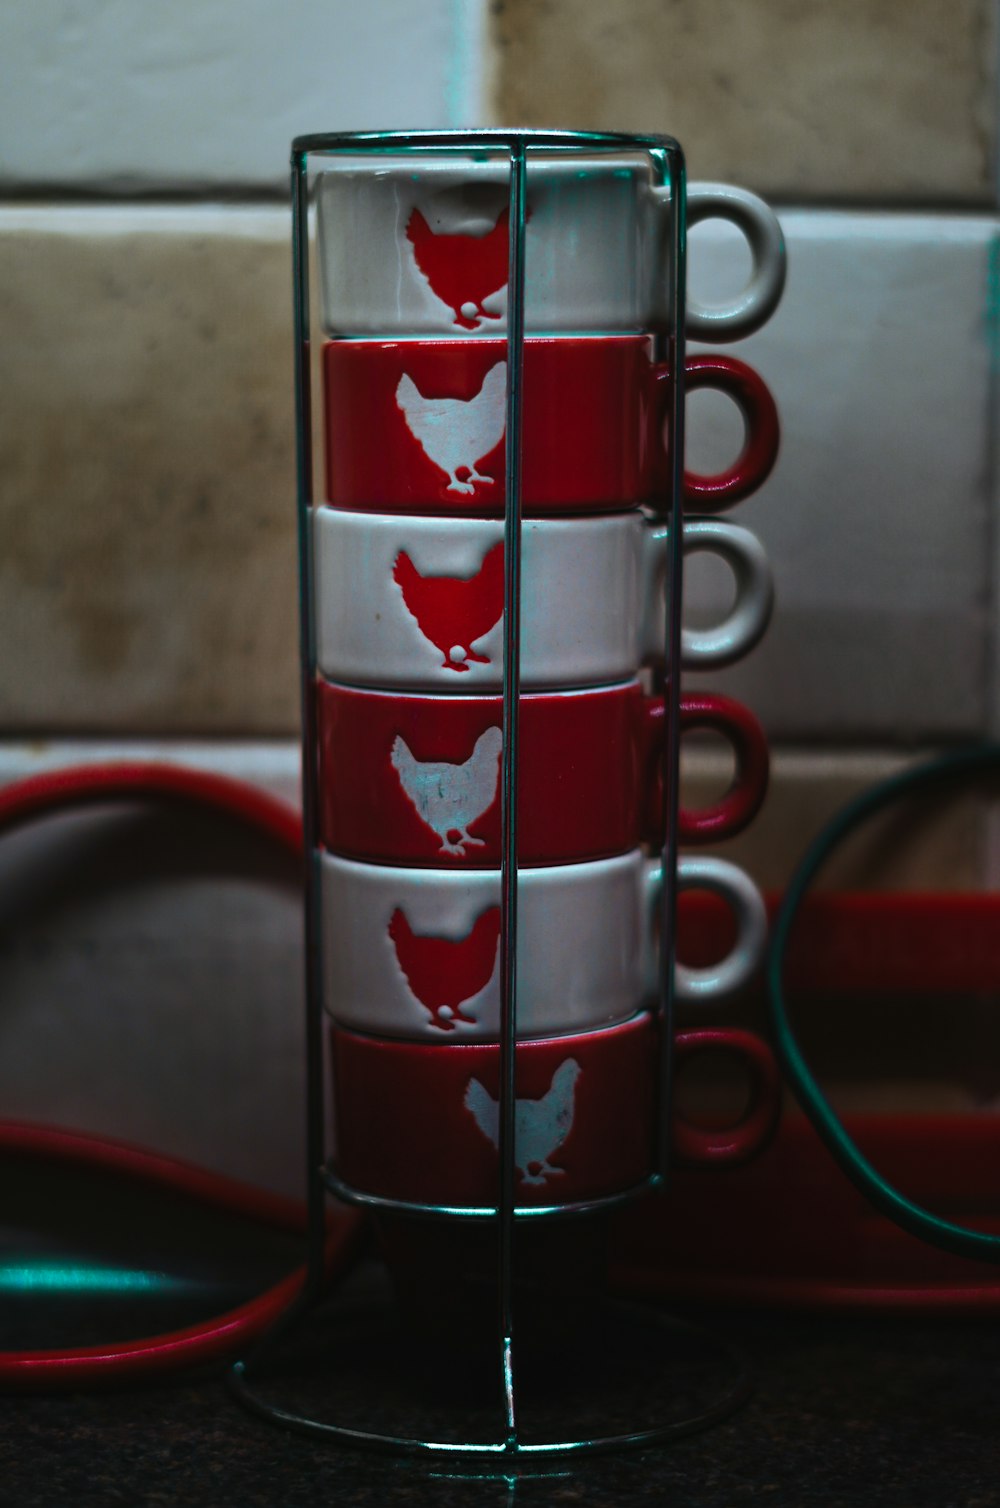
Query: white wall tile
[[878, 516], [211, 92]]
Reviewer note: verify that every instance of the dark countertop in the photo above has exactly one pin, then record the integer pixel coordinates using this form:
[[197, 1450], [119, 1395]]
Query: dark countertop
[[864, 1410], [852, 1410]]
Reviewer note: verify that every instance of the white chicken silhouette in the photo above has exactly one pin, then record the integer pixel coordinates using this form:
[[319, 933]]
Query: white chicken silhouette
[[450, 797], [540, 1126], [456, 432]]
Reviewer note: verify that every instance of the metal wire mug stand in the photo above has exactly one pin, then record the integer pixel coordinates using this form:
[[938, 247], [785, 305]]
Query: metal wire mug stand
[[508, 1447]]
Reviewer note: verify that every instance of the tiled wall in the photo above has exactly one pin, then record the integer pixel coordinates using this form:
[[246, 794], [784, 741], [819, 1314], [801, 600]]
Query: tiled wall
[[147, 575], [147, 579], [873, 127]]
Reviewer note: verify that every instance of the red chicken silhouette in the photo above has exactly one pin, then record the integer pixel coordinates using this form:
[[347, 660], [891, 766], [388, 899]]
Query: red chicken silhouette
[[453, 613], [462, 270], [443, 972]]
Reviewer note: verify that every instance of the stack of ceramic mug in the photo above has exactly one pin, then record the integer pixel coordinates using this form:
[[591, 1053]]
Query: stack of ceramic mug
[[408, 560]]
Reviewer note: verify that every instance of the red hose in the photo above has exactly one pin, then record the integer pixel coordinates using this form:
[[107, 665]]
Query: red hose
[[41, 795]]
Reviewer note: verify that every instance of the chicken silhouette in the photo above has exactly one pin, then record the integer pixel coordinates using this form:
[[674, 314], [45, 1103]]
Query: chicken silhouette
[[444, 973], [540, 1126], [450, 612], [450, 797], [462, 270], [455, 433]]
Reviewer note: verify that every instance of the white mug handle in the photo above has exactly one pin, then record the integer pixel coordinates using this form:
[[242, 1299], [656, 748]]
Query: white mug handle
[[747, 953], [745, 623], [718, 980], [754, 306]]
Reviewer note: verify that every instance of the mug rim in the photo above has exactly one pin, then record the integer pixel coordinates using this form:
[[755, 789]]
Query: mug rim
[[419, 694], [635, 856], [548, 162], [637, 1021], [630, 338], [619, 516]]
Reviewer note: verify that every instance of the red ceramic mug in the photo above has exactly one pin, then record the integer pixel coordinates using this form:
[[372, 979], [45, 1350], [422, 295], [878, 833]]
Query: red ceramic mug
[[416, 779], [420, 1124], [418, 426]]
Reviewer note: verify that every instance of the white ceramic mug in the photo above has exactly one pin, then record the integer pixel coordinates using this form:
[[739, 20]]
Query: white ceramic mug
[[414, 953], [419, 246], [403, 601]]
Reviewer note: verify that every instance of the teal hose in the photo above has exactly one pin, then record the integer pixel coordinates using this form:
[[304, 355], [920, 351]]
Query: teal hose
[[979, 759]]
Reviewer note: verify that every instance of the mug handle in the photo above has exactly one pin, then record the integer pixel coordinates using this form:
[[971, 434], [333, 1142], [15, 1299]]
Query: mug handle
[[755, 462], [745, 957], [745, 623], [754, 306], [744, 798], [731, 1144], [741, 803], [737, 968], [761, 428]]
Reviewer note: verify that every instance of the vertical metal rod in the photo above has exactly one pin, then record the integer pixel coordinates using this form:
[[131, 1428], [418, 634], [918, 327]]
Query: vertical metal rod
[[315, 1117], [511, 695], [672, 681]]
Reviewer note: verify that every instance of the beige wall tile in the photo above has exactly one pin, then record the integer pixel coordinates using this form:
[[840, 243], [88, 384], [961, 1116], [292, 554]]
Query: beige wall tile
[[933, 843], [883, 99], [147, 577]]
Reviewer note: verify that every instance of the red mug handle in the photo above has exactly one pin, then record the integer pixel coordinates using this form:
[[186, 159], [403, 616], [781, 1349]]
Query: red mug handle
[[755, 462], [741, 803], [727, 1145]]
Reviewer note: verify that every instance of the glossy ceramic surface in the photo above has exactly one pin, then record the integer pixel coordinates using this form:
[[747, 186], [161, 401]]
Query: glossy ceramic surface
[[417, 603], [420, 1123], [416, 779], [414, 953], [419, 426]]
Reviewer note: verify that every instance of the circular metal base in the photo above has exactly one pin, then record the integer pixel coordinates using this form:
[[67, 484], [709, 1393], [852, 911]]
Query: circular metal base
[[592, 1376], [485, 1213]]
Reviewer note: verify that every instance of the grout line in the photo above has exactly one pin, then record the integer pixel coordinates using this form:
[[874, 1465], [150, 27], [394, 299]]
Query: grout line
[[269, 218], [117, 217], [468, 83], [219, 752]]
